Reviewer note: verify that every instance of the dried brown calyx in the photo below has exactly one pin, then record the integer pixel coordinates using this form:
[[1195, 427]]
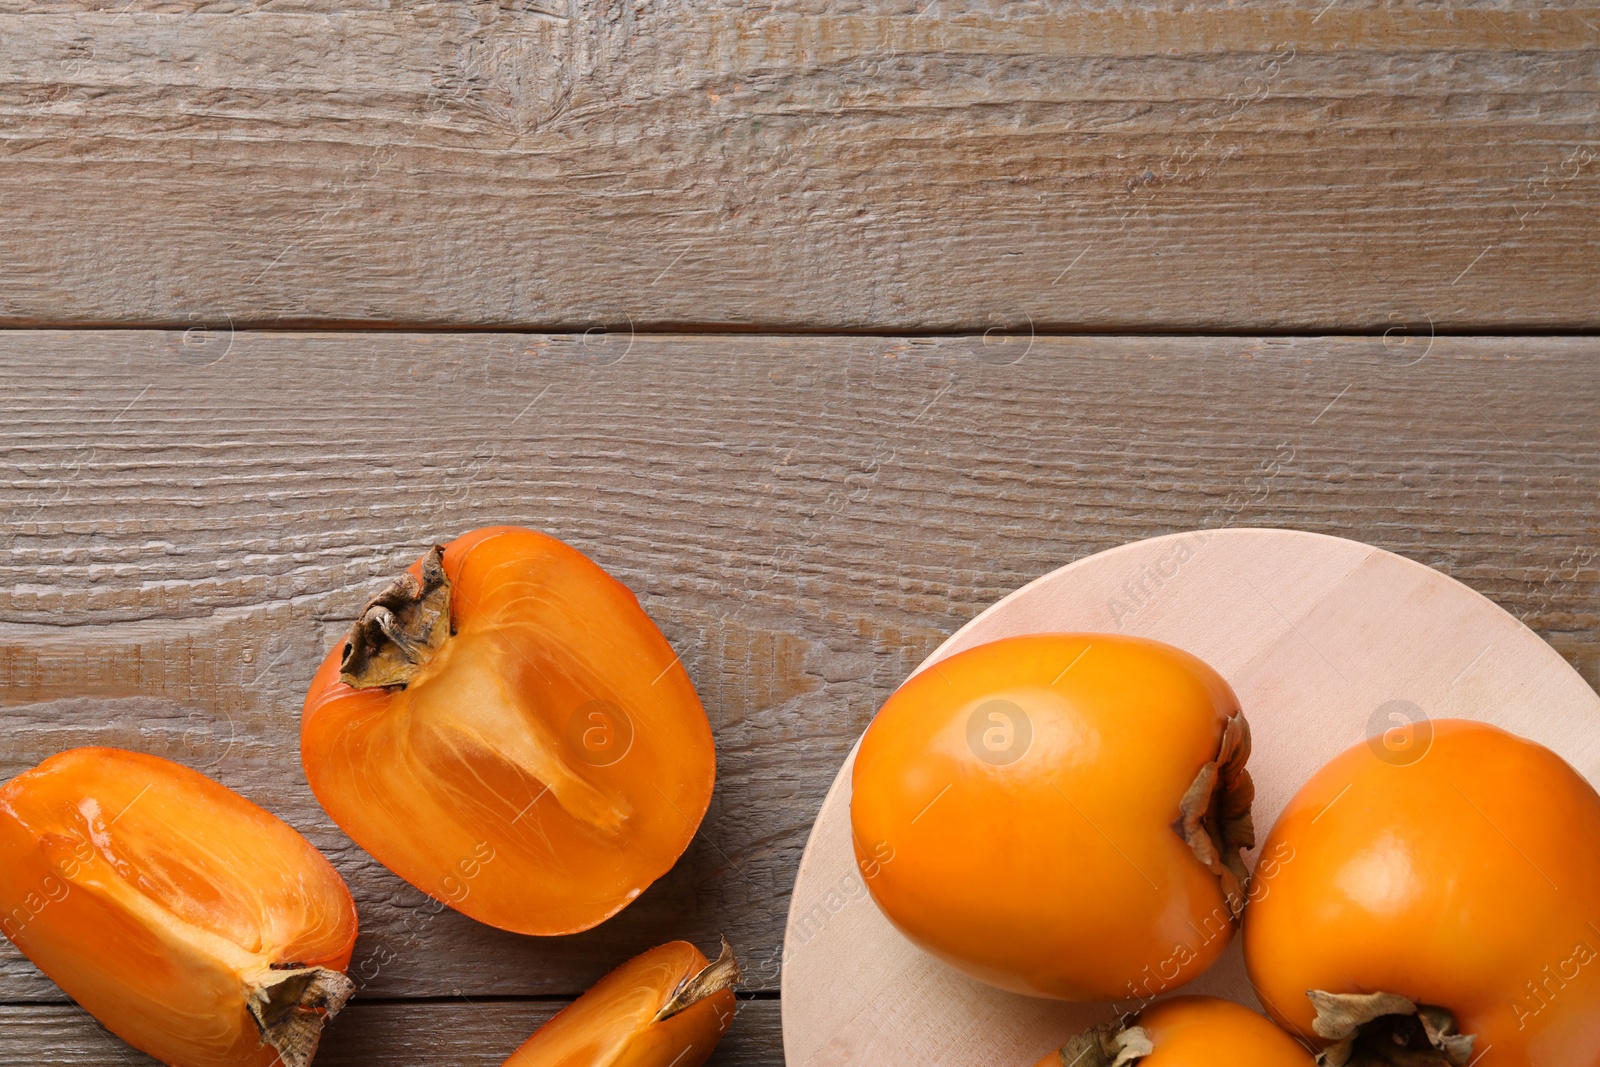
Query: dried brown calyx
[[1106, 1046], [1216, 819], [721, 973], [1387, 1030], [400, 629], [290, 1003]]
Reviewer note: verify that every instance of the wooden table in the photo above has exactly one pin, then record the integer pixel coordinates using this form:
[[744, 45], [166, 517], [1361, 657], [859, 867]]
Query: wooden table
[[820, 326]]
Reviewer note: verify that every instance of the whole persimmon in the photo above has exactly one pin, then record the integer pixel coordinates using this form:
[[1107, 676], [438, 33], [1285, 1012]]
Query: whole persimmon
[[665, 1008], [506, 729], [1442, 905], [1059, 814], [1185, 1032], [196, 926]]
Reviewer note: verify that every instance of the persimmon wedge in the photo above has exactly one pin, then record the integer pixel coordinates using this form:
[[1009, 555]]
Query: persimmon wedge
[[506, 729], [1185, 1032], [193, 924], [664, 1008]]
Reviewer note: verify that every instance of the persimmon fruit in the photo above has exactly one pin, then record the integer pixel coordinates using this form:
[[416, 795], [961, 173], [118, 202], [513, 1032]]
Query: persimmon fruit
[[1185, 1032], [507, 730], [193, 924], [665, 1008], [1059, 814], [1442, 906]]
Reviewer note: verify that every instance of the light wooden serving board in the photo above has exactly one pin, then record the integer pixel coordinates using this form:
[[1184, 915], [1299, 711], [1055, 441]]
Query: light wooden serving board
[[1315, 634]]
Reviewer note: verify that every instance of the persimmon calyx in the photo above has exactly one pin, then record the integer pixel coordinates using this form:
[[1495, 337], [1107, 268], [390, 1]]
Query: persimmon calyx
[[1107, 1046], [400, 629], [289, 1004], [1386, 1030], [721, 973], [1216, 821]]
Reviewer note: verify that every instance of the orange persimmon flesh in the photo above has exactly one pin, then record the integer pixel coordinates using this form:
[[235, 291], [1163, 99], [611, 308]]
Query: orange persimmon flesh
[[1059, 814], [666, 1008], [1186, 1032], [512, 735], [193, 924], [1447, 900]]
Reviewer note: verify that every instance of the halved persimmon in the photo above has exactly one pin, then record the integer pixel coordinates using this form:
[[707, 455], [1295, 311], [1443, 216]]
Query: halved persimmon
[[506, 729], [193, 924], [1059, 814], [665, 1008], [1439, 903], [1185, 1032]]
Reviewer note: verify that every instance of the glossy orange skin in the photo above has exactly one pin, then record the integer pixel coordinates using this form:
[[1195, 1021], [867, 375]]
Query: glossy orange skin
[[471, 783], [610, 1025], [1210, 1032], [1437, 880], [149, 892], [1058, 874]]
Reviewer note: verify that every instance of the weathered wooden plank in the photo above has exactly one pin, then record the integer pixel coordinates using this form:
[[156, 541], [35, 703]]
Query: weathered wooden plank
[[455, 1033], [806, 517], [893, 164]]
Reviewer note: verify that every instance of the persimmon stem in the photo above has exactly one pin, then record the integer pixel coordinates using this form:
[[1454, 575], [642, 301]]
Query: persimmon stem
[[1106, 1046], [1215, 816], [721, 973], [400, 629], [1387, 1030], [290, 1005]]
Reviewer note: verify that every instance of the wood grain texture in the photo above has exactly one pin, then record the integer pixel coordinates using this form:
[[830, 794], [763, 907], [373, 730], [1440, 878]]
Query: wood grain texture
[[191, 519], [430, 1034], [889, 164]]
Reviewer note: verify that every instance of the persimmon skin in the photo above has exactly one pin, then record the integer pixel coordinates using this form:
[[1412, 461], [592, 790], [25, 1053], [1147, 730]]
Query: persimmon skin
[[611, 1025], [466, 783], [1058, 874], [1210, 1032], [153, 896], [1437, 880]]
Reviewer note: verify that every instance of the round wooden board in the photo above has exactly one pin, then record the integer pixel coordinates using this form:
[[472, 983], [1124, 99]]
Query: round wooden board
[[1315, 634]]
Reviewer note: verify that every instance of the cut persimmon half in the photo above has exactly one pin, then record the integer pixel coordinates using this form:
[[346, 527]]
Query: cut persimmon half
[[196, 926], [666, 1008], [506, 729]]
